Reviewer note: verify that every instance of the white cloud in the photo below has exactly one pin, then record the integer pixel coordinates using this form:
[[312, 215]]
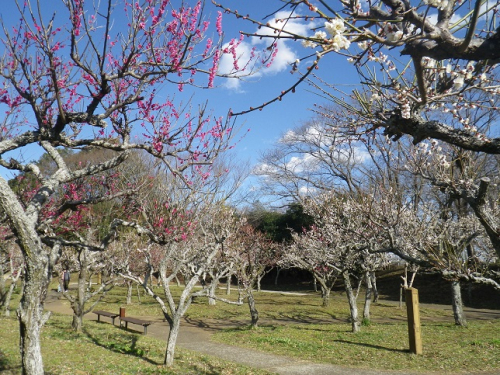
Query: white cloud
[[264, 169], [305, 190], [298, 164], [253, 57]]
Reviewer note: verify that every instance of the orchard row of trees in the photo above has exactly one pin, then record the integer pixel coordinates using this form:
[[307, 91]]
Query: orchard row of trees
[[125, 166]]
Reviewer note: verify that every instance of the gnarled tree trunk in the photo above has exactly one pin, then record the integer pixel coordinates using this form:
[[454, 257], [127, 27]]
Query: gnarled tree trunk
[[30, 313], [458, 307], [253, 310]]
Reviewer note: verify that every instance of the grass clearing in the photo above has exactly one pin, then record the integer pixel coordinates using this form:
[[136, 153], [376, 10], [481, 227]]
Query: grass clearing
[[298, 326], [379, 346], [292, 325], [104, 349]]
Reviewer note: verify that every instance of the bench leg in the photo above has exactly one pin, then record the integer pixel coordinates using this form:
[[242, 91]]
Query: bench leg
[[113, 320], [145, 330]]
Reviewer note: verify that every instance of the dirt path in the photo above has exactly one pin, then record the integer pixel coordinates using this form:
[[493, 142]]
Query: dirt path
[[196, 335]]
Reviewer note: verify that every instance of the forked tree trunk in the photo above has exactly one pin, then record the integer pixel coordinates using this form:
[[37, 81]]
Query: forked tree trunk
[[254, 314], [458, 307], [368, 297], [351, 297]]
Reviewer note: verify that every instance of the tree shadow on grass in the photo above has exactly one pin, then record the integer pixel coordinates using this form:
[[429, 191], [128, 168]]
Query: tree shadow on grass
[[120, 343], [7, 367], [373, 346], [205, 367]]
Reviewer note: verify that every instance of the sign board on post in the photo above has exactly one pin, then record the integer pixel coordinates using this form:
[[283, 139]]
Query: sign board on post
[[413, 312]]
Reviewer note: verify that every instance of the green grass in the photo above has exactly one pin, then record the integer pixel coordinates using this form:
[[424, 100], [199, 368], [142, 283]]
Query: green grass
[[447, 348], [291, 325], [104, 349]]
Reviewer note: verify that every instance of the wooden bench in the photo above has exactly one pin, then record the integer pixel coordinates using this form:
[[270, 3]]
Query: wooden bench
[[105, 313], [139, 322]]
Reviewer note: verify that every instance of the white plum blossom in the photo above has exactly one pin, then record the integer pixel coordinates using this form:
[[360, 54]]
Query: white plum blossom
[[309, 43], [406, 110], [392, 33], [458, 82], [335, 27], [363, 45], [320, 35], [340, 42]]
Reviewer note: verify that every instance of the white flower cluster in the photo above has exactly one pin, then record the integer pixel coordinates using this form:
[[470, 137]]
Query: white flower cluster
[[335, 26], [461, 76], [440, 4], [392, 33], [335, 38]]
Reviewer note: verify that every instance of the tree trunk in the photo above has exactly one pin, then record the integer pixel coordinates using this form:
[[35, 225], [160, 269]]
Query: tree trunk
[[177, 281], [211, 292], [278, 270], [325, 294], [228, 284], [78, 304], [30, 313], [253, 310], [458, 310], [368, 297], [259, 279], [77, 322], [129, 292], [8, 297], [352, 302], [2, 280], [374, 286], [172, 340], [401, 296]]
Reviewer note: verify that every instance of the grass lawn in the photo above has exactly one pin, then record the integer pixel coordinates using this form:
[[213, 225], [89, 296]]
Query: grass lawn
[[292, 325], [104, 349], [298, 326]]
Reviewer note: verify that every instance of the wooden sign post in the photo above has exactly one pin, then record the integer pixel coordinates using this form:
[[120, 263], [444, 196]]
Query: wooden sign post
[[413, 312]]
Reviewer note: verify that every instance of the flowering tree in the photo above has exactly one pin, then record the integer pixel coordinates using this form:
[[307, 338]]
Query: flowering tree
[[444, 87], [253, 255], [452, 45], [186, 242], [336, 246], [66, 79]]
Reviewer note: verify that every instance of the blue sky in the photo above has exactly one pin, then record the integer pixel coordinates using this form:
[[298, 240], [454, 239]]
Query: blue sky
[[268, 125]]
